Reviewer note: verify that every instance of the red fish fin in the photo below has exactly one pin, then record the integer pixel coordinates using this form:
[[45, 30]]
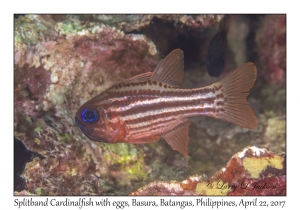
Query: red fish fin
[[178, 137], [139, 78], [170, 69], [235, 87]]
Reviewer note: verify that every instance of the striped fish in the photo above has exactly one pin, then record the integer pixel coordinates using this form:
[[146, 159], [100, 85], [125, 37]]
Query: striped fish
[[144, 108]]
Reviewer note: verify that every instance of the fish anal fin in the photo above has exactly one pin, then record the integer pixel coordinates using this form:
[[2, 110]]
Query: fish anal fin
[[178, 137], [139, 78], [235, 88], [170, 70]]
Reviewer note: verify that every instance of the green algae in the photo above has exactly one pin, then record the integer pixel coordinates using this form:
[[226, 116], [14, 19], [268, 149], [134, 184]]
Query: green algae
[[65, 137], [40, 191], [76, 27], [30, 30], [38, 130], [119, 153], [127, 158], [69, 27]]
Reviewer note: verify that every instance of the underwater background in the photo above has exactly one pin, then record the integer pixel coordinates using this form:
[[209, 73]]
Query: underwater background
[[62, 61]]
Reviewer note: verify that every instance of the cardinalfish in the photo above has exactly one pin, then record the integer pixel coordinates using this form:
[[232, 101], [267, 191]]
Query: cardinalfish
[[146, 107], [216, 52]]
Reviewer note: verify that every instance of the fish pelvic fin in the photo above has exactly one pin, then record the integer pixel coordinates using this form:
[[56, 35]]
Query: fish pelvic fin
[[235, 88], [178, 137]]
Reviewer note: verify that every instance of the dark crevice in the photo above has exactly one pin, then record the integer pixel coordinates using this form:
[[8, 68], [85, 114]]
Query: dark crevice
[[21, 156]]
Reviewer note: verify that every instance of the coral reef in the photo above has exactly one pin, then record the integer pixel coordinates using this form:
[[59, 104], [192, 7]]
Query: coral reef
[[53, 77], [252, 171], [271, 47], [129, 23], [61, 61]]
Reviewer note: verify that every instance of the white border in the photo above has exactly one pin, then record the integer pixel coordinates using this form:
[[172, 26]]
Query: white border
[[8, 8]]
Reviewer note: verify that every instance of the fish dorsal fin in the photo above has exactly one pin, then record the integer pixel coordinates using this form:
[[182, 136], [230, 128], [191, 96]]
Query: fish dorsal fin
[[170, 69], [139, 78], [178, 137]]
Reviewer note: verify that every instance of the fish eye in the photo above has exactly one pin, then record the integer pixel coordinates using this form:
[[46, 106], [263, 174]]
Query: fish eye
[[89, 115]]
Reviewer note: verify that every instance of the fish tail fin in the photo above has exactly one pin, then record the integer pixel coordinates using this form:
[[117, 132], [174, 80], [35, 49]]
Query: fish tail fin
[[235, 89]]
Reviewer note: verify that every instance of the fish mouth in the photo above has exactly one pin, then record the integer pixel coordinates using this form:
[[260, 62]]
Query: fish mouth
[[86, 131], [80, 125]]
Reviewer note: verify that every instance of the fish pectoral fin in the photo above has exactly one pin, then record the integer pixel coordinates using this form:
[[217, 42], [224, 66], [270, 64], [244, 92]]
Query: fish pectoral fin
[[178, 137], [170, 70], [139, 78]]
